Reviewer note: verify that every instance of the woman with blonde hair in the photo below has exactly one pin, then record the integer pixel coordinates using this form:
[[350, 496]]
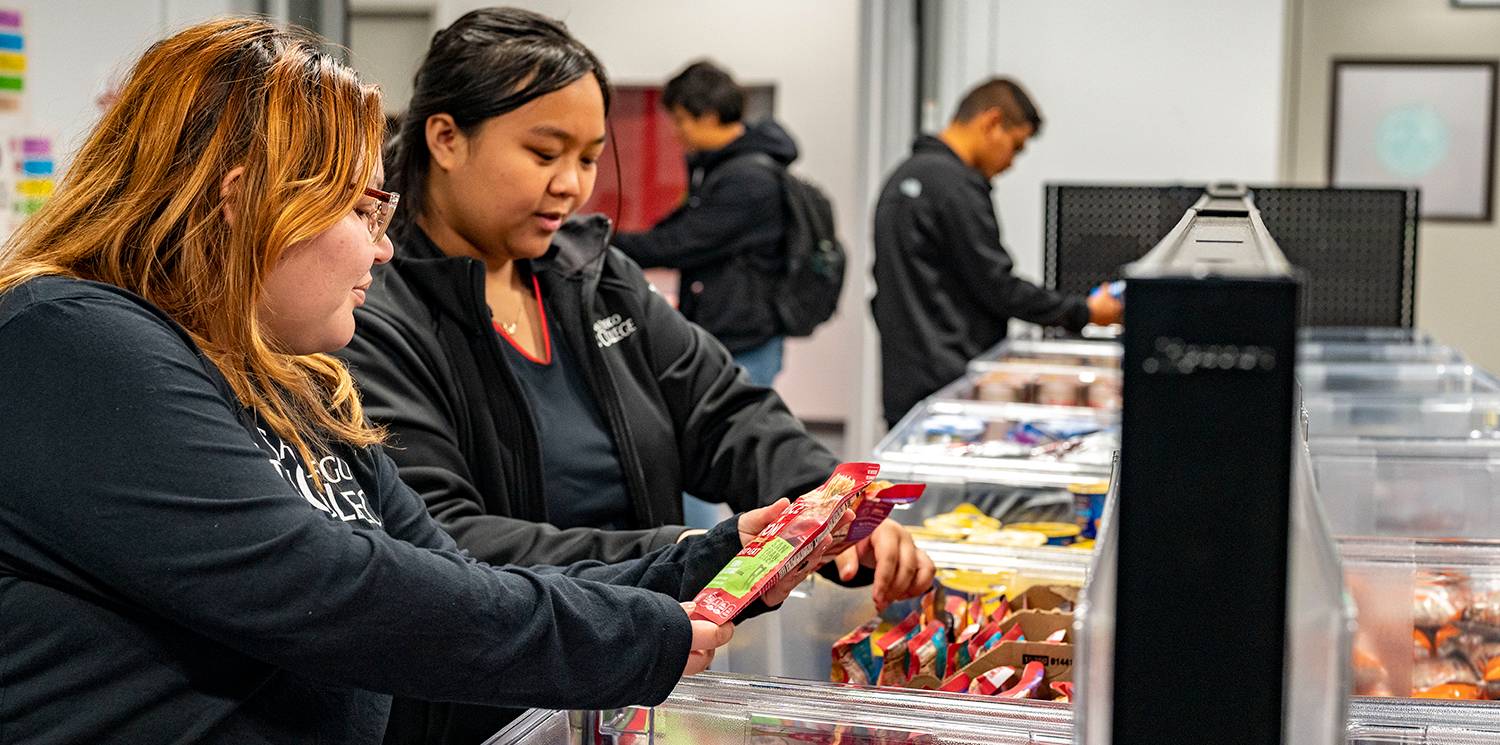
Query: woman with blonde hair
[[200, 539]]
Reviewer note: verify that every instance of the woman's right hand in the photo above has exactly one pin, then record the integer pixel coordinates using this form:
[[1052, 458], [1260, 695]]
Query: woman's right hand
[[707, 637]]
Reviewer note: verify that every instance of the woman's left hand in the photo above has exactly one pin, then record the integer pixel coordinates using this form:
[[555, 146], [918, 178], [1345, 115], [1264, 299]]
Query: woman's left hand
[[901, 569]]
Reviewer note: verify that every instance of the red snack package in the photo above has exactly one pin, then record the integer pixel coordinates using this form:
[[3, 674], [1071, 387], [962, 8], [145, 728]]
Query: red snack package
[[908, 628], [927, 652], [1064, 692], [853, 660], [959, 683], [1016, 634], [786, 543], [992, 680], [982, 637], [1031, 682], [872, 505]]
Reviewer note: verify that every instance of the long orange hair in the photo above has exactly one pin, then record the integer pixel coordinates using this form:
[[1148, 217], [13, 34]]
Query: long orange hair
[[143, 206]]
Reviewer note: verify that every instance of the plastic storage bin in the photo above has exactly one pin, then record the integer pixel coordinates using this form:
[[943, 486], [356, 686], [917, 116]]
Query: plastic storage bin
[[1056, 444], [1459, 416], [1038, 384], [1336, 351], [1365, 334], [1073, 352], [1447, 488], [1393, 379]]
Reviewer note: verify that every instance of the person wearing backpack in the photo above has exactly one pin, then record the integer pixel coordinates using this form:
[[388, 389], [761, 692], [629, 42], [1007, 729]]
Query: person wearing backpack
[[755, 245], [544, 402], [944, 287]]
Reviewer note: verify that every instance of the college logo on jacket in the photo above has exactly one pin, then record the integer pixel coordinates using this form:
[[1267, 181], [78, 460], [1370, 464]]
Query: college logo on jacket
[[613, 330], [340, 497]]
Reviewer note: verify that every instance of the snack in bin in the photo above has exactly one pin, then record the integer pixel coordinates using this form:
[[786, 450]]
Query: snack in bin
[[784, 545], [992, 681], [1008, 537], [1484, 606], [1062, 692], [1421, 645], [872, 505], [1030, 684], [959, 683], [927, 653], [961, 522], [1439, 598], [1056, 637], [1444, 678], [854, 658]]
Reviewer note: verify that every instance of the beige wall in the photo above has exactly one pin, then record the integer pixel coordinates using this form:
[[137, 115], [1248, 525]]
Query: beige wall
[[1458, 264]]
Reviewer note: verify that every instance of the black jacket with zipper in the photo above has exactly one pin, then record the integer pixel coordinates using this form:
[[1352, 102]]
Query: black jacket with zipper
[[728, 237], [429, 366], [944, 287]]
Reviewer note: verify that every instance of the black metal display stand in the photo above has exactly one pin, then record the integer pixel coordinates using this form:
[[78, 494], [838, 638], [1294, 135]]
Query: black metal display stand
[[1205, 483], [1357, 248]]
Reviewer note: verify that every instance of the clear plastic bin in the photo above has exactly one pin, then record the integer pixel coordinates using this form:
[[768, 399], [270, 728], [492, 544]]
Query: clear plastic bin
[[713, 709], [1365, 334], [1047, 385], [1460, 416], [1074, 352], [1447, 488], [1336, 351], [718, 709], [1393, 379], [1429, 616], [1060, 444]]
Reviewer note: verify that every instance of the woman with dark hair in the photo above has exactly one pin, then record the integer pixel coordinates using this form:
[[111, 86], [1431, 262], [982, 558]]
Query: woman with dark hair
[[200, 539], [545, 401]]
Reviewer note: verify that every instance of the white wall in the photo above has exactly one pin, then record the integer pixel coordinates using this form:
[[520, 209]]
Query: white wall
[[1457, 263], [809, 50], [77, 48], [1130, 91]]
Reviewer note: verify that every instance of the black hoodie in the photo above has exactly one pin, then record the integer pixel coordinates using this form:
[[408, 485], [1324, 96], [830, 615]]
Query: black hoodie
[[727, 237]]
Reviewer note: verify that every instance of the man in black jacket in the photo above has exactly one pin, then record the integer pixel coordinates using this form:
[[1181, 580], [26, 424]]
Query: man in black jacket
[[727, 236], [945, 291]]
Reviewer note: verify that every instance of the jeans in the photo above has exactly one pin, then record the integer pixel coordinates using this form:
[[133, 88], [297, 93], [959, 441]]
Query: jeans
[[763, 363]]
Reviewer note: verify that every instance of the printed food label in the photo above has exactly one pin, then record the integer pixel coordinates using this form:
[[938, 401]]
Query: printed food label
[[743, 571]]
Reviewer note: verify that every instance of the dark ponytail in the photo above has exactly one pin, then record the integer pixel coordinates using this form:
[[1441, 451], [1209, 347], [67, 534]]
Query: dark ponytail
[[489, 62]]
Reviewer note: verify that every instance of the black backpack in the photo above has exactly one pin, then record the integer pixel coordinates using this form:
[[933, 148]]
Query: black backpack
[[808, 294]]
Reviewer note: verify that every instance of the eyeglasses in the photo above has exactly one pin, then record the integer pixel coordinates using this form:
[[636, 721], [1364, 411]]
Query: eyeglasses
[[385, 207]]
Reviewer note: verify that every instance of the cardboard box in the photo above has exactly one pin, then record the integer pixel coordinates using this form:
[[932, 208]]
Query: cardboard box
[[1037, 625], [1047, 597]]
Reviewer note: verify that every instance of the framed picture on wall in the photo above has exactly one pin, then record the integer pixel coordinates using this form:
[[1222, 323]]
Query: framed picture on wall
[[1424, 123]]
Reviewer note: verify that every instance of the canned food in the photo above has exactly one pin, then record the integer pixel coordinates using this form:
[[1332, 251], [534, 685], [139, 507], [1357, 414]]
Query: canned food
[[1058, 390], [1088, 506], [1057, 534]]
